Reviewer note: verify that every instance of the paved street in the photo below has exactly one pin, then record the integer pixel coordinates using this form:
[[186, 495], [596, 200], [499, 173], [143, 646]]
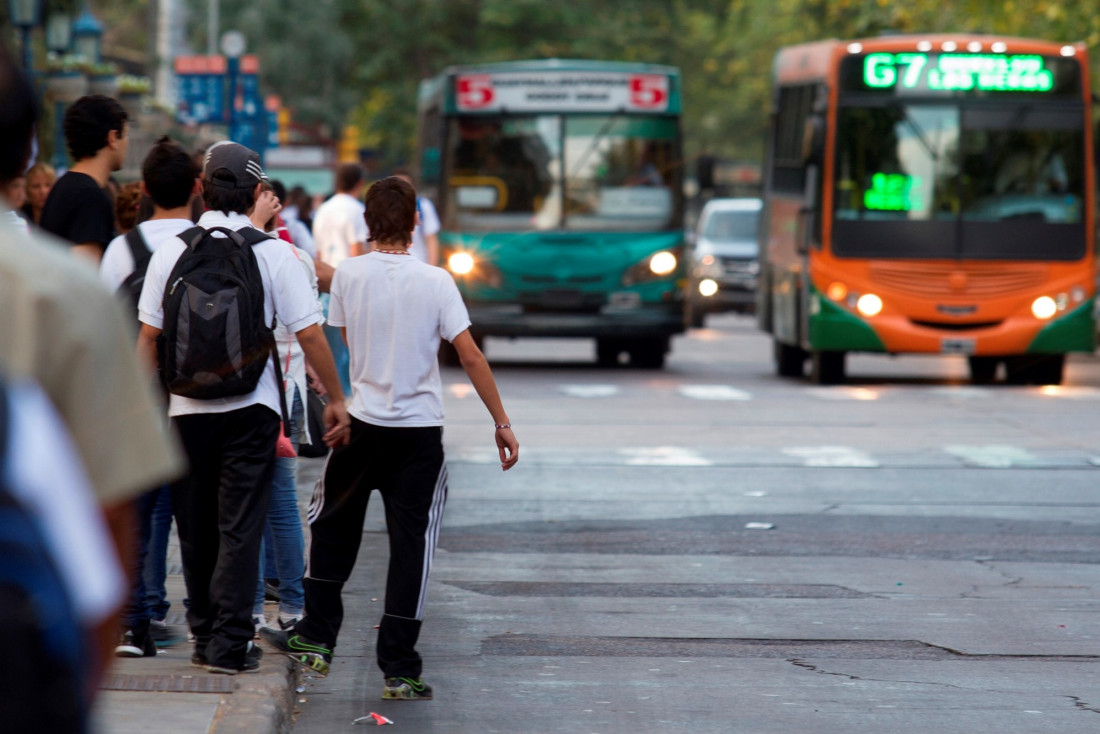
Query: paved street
[[709, 548]]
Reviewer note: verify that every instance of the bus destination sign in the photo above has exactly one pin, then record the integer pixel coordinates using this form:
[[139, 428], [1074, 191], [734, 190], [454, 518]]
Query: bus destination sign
[[562, 91], [950, 72]]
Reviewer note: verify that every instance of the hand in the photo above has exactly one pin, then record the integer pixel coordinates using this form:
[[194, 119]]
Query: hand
[[508, 447], [338, 424], [267, 206]]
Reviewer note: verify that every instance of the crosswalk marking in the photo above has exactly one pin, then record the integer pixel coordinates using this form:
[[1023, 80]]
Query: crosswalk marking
[[992, 456], [664, 456], [834, 456], [590, 391], [845, 393], [713, 392]]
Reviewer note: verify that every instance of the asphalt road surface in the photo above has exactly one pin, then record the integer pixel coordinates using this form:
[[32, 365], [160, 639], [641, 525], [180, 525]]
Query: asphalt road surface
[[711, 548]]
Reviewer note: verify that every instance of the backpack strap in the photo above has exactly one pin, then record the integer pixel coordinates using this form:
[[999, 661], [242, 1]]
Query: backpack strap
[[139, 249]]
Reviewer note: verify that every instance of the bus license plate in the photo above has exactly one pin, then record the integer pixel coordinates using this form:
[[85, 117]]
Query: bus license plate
[[957, 346], [624, 299]]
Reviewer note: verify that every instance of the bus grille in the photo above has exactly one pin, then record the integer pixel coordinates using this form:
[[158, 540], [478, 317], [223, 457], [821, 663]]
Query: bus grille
[[971, 280]]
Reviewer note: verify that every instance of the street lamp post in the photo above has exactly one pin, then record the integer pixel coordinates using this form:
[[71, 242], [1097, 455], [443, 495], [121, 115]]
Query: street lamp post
[[24, 15], [88, 36], [233, 46]]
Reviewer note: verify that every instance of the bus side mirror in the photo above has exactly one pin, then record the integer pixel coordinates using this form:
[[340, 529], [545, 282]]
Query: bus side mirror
[[813, 140]]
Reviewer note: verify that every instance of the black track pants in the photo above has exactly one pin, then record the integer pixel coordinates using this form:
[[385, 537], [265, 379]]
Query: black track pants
[[220, 509], [406, 466]]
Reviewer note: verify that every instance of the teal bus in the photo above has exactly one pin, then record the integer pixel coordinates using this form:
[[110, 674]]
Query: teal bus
[[560, 192]]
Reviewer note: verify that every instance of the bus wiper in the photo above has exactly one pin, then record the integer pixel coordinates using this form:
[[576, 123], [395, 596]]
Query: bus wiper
[[596, 140]]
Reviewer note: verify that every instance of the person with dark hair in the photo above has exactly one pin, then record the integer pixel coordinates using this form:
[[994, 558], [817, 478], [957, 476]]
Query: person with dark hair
[[299, 209], [393, 310], [339, 232], [425, 238], [169, 179], [79, 209], [231, 440]]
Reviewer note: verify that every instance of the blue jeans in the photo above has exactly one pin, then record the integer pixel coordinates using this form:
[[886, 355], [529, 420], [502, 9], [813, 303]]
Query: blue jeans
[[339, 351], [283, 533], [135, 612], [155, 571]]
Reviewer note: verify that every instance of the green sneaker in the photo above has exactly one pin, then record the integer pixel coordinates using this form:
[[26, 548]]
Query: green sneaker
[[313, 655], [407, 689]]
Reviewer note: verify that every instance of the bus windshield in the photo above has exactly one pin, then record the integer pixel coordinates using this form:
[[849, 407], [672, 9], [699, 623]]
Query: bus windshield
[[546, 172], [992, 169]]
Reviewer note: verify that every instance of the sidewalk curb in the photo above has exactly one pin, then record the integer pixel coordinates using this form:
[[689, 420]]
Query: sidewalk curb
[[263, 702]]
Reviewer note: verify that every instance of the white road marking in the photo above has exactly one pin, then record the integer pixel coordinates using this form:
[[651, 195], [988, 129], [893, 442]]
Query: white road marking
[[590, 391], [664, 456], [833, 456], [713, 392], [845, 393], [1070, 392], [963, 393], [991, 456]]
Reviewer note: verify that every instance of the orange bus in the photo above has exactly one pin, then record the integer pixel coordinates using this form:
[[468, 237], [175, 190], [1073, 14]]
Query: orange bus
[[930, 194]]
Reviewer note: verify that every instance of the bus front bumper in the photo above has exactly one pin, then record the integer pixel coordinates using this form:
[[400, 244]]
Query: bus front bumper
[[634, 323]]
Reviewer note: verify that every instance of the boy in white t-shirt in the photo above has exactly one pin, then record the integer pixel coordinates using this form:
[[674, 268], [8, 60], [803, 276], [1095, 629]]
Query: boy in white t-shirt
[[393, 310]]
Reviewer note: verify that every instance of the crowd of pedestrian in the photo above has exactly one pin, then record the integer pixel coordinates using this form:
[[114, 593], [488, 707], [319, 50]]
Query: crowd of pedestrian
[[159, 350]]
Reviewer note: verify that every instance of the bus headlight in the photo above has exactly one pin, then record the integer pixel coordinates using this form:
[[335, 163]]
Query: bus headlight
[[662, 263], [869, 305], [707, 288], [460, 263], [1044, 307]]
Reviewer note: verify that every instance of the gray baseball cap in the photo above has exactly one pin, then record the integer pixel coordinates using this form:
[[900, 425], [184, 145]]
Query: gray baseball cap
[[233, 166]]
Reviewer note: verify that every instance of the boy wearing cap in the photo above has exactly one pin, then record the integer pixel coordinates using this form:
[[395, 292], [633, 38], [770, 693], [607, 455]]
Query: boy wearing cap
[[221, 505], [392, 310]]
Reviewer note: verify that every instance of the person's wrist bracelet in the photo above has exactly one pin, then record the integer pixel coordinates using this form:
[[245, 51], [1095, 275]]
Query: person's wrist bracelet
[[503, 425]]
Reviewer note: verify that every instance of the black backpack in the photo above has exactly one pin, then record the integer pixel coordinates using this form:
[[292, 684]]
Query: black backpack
[[131, 287], [215, 342]]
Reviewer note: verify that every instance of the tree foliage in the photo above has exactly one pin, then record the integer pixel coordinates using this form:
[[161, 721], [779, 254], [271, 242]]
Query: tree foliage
[[361, 60]]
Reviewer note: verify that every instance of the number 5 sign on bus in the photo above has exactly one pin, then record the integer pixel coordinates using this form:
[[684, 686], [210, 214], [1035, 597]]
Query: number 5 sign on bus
[[475, 92], [649, 91]]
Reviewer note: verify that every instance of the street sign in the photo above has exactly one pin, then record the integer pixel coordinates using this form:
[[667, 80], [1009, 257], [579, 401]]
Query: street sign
[[201, 89]]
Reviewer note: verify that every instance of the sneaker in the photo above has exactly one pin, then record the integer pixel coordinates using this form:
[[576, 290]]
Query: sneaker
[[313, 655], [258, 623], [198, 659], [407, 689], [251, 662], [287, 621], [164, 634], [136, 642], [271, 590]]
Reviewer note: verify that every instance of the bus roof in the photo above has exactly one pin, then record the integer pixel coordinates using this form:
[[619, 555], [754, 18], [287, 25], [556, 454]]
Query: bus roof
[[807, 62]]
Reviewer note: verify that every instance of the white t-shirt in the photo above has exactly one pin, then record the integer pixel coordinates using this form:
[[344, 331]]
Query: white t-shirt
[[337, 225], [396, 309], [299, 232], [287, 293], [46, 475], [118, 262]]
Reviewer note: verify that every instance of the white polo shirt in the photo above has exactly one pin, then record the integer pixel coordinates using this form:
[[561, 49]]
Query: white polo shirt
[[287, 293], [337, 225], [396, 309]]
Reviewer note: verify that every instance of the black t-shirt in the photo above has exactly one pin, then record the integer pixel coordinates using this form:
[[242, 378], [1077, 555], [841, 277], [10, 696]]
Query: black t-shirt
[[79, 210]]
